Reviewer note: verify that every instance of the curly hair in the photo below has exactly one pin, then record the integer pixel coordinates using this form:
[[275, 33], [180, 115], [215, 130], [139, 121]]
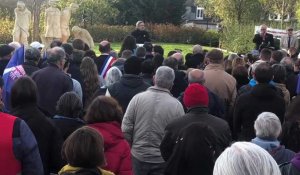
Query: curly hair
[[90, 79]]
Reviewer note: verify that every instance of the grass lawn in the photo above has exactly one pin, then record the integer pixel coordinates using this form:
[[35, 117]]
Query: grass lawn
[[186, 48]]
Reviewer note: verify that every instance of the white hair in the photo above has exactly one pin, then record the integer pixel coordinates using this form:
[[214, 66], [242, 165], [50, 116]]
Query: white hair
[[113, 75], [267, 125], [164, 77], [138, 23], [245, 158]]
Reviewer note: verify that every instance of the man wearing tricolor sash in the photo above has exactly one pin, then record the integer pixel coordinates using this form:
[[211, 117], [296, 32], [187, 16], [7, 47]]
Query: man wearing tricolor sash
[[105, 60]]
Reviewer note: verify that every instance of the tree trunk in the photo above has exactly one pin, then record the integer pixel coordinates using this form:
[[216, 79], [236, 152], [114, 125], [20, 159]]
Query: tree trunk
[[36, 20]]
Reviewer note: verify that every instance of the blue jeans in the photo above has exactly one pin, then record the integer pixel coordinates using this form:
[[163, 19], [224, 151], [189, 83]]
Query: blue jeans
[[145, 168]]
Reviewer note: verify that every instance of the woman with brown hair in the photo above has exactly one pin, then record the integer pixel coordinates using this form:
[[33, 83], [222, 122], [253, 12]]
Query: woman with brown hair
[[90, 80], [105, 115], [84, 152]]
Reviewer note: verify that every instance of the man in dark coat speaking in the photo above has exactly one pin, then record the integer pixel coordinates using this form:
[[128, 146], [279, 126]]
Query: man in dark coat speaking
[[263, 39]]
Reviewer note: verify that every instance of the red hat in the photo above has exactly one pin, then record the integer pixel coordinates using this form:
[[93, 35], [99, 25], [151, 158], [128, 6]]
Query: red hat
[[195, 95]]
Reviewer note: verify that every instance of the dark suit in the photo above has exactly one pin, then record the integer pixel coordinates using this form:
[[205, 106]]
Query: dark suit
[[261, 43]]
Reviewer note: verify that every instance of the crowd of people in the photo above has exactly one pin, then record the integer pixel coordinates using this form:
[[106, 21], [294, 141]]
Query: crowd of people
[[138, 113]]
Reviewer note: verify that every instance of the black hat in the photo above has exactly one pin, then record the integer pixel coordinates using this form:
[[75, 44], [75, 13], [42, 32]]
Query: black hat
[[132, 65], [5, 50]]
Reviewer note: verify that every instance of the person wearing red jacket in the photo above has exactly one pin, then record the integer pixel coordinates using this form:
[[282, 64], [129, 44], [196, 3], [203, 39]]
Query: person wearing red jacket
[[105, 115]]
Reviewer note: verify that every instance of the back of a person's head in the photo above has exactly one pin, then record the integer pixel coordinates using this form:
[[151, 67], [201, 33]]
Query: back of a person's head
[[147, 67], [69, 105], [265, 54], [78, 55], [276, 56], [215, 56], [23, 91], [267, 126], [171, 62], [158, 49], [238, 61], [288, 63], [55, 54], [84, 148], [263, 73], [140, 52], [128, 43], [279, 72], [240, 71], [68, 48], [245, 158], [103, 109], [157, 60], [148, 46], [171, 53], [126, 54], [78, 44], [232, 56], [32, 54], [55, 43], [194, 151], [90, 53], [104, 47], [164, 77], [196, 76], [113, 75], [197, 49], [132, 65]]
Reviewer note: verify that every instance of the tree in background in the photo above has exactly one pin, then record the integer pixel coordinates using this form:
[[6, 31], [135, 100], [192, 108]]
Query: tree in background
[[152, 11]]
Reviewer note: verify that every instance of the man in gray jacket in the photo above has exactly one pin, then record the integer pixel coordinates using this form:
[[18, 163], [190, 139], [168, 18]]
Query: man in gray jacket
[[146, 117]]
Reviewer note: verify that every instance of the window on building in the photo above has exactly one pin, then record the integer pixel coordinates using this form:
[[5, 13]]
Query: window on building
[[200, 13]]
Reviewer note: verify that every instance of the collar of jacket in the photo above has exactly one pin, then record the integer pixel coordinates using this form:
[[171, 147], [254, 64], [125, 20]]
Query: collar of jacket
[[211, 66], [155, 88], [131, 76], [198, 109], [53, 65], [30, 63]]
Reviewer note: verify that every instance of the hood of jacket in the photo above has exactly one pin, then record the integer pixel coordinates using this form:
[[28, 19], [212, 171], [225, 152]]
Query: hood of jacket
[[110, 131]]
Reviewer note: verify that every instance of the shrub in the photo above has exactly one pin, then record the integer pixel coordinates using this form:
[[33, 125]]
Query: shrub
[[237, 38], [6, 30]]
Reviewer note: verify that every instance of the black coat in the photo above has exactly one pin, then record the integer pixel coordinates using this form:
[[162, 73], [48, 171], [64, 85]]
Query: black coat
[[67, 125], [30, 67], [51, 84], [47, 135], [180, 84], [198, 114], [124, 90], [261, 98], [260, 43], [141, 36]]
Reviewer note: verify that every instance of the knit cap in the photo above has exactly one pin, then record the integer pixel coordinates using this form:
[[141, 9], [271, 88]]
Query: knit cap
[[195, 95]]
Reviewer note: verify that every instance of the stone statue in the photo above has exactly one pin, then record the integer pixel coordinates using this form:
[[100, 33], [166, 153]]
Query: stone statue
[[84, 35], [22, 23], [64, 21], [52, 19]]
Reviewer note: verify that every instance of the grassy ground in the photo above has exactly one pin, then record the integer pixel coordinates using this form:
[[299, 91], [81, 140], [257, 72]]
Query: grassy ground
[[186, 48]]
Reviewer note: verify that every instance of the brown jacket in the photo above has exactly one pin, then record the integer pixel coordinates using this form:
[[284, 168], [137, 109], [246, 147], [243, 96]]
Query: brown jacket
[[220, 82]]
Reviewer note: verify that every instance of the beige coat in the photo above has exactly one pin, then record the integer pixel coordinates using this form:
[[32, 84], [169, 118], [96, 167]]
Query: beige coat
[[220, 82]]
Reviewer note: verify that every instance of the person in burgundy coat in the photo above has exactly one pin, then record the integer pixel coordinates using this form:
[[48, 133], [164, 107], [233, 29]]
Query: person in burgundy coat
[[105, 115]]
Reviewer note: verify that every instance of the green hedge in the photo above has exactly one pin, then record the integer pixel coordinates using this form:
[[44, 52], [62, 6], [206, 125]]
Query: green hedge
[[167, 33]]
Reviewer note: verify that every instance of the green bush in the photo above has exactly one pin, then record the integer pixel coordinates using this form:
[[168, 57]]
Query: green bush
[[237, 38], [6, 30], [166, 33]]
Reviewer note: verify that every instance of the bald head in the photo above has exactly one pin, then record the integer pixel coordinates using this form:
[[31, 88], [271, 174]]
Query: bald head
[[104, 46], [179, 57], [196, 76]]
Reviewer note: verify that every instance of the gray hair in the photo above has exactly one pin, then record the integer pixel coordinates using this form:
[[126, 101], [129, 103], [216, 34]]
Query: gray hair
[[197, 49], [245, 158], [113, 75], [267, 125], [164, 77], [55, 54]]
